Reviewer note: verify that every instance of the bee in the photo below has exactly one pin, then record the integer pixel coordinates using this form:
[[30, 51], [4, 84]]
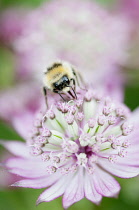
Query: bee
[[60, 78]]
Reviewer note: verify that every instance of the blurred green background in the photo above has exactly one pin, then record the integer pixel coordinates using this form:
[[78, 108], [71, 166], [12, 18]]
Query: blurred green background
[[21, 199]]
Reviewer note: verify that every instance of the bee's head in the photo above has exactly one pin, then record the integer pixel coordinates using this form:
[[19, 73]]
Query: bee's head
[[62, 83]]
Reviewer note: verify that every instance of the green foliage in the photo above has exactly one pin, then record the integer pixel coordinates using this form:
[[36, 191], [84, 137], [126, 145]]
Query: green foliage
[[132, 96], [6, 67], [106, 2], [27, 3], [7, 132], [34, 3]]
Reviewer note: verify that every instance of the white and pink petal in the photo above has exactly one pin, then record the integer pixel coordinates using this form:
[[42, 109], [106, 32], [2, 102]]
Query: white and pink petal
[[56, 190], [38, 183], [105, 184], [75, 190], [17, 148], [89, 189], [120, 170]]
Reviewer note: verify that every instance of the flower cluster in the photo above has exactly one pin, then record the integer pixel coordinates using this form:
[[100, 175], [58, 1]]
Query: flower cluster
[[93, 129], [130, 8], [19, 98], [55, 31], [77, 144]]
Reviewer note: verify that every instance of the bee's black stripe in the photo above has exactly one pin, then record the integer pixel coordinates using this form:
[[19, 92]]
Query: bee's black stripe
[[55, 65]]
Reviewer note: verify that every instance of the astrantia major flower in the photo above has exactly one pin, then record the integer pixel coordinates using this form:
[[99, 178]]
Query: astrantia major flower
[[131, 9], [18, 105], [73, 146], [93, 39]]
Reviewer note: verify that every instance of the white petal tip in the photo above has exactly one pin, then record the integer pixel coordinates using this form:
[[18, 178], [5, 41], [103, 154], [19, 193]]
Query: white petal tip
[[38, 202], [116, 194], [98, 202], [13, 185], [16, 184]]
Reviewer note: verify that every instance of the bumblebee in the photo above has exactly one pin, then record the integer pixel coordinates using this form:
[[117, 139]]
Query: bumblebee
[[60, 78]]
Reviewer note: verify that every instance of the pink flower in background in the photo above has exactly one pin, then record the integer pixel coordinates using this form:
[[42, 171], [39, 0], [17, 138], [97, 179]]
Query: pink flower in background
[[53, 31], [93, 39], [19, 104], [74, 146], [130, 8], [6, 178], [12, 24]]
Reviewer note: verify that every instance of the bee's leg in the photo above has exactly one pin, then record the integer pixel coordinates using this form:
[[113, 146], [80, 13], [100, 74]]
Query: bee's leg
[[73, 96], [45, 95], [61, 96], [57, 91], [74, 88], [73, 80]]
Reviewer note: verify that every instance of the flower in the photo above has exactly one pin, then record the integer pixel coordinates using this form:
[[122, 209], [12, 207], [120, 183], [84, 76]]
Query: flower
[[11, 23], [74, 146], [130, 8], [19, 104], [87, 42], [6, 178], [53, 31]]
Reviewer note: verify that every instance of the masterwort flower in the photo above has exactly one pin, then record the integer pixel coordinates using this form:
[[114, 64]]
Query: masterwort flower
[[74, 146], [18, 105], [131, 9], [93, 39]]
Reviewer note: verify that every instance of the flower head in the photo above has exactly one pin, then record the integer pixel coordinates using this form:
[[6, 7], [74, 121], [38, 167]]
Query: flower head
[[12, 24], [53, 32], [83, 38], [73, 146], [131, 8], [18, 105]]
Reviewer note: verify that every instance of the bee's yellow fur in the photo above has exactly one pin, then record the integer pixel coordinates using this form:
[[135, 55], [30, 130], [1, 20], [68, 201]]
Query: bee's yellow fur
[[54, 74]]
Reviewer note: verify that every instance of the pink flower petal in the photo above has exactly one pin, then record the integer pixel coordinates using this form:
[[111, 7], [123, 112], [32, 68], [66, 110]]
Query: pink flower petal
[[16, 148], [17, 110], [130, 162], [90, 191], [23, 123], [38, 183], [26, 168], [54, 191], [12, 24], [74, 192], [105, 184], [132, 157], [131, 8], [123, 171], [134, 118]]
